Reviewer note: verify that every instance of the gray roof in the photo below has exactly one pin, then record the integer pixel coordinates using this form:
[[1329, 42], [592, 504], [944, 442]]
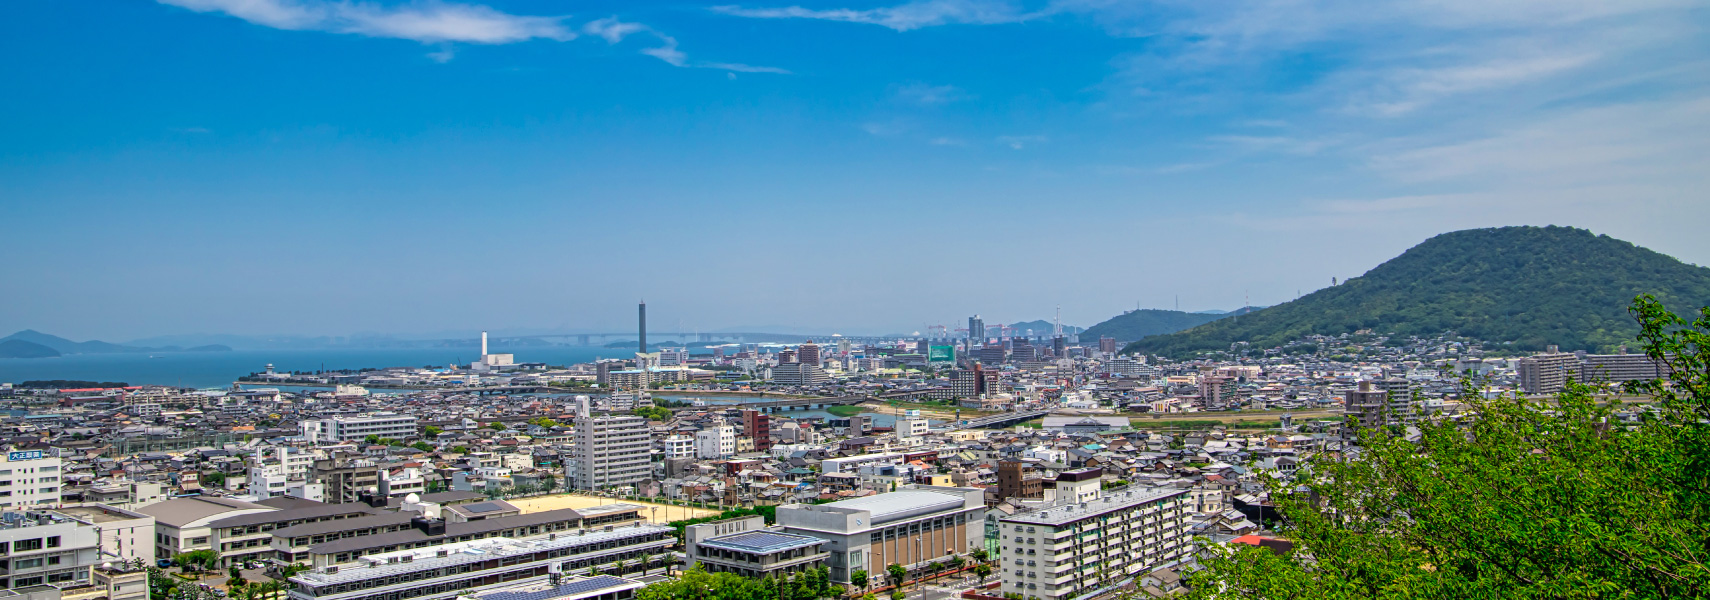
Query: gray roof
[[320, 527], [761, 542], [295, 514], [452, 530], [901, 504], [178, 512]]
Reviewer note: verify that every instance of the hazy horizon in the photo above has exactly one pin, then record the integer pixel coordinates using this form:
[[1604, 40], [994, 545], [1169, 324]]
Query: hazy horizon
[[310, 167]]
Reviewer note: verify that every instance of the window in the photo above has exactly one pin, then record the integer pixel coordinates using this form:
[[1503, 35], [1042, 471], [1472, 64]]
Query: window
[[27, 545], [28, 563], [53, 541]]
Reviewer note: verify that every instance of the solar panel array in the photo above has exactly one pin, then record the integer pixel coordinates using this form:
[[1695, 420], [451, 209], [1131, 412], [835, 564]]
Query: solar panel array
[[548, 592], [481, 507]]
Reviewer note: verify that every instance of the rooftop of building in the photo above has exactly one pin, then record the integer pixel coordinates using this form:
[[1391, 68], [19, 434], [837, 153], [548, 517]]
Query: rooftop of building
[[181, 511], [99, 513], [1070, 512], [901, 504], [443, 555], [319, 511], [571, 589], [761, 542]]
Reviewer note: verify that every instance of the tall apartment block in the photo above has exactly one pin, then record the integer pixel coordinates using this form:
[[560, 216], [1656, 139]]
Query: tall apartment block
[[1082, 549], [610, 451]]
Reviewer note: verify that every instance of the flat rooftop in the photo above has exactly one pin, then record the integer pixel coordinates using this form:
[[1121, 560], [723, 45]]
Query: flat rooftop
[[427, 557], [761, 542], [901, 504], [1070, 512], [99, 514], [570, 589]]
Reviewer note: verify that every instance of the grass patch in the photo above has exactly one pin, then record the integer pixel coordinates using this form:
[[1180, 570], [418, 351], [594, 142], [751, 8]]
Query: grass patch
[[845, 411]]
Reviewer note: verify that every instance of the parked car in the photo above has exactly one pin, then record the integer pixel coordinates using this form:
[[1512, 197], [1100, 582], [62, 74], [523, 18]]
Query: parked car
[[163, 563]]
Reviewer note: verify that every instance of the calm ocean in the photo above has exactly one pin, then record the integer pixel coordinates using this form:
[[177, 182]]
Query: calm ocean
[[220, 369]]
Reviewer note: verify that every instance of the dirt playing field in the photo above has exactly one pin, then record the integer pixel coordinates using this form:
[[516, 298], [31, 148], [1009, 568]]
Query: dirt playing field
[[665, 514]]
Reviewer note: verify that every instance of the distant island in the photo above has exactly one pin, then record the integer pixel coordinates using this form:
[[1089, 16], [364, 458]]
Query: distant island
[[23, 349], [30, 343]]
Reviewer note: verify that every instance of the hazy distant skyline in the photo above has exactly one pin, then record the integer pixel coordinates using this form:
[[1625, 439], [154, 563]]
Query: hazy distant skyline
[[311, 167]]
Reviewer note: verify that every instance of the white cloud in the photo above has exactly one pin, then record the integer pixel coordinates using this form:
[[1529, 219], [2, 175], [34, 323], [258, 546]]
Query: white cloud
[[929, 95], [1018, 142], [428, 22], [903, 17], [612, 30], [432, 21]]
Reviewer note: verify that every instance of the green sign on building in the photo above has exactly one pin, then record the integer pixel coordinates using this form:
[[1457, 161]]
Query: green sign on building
[[941, 354]]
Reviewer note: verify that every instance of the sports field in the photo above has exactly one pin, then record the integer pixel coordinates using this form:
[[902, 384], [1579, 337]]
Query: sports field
[[665, 514]]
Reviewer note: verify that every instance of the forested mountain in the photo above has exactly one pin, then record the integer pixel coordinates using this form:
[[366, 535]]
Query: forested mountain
[[1136, 324], [1529, 286]]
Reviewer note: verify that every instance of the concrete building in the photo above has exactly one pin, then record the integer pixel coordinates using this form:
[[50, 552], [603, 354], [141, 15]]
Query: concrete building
[[758, 425], [1367, 406], [609, 451], [1547, 372], [248, 537], [909, 527], [125, 535], [809, 354], [48, 548], [716, 442], [798, 374], [182, 524], [1081, 549], [744, 546], [29, 478], [679, 446], [343, 479], [1621, 367], [345, 429], [445, 571]]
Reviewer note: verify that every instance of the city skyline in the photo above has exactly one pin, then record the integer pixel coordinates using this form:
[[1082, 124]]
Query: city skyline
[[318, 168]]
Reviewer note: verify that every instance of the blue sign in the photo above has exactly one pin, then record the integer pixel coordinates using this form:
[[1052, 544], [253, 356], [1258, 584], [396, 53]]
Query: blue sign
[[26, 455]]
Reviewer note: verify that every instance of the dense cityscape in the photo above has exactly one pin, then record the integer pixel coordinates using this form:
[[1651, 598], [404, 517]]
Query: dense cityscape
[[977, 465], [854, 300]]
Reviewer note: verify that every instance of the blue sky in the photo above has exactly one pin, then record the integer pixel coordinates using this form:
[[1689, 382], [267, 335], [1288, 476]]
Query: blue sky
[[302, 166]]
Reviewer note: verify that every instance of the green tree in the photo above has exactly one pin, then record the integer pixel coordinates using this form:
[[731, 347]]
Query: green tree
[[197, 560], [858, 578], [496, 426], [1525, 498], [423, 446], [980, 555], [543, 422], [984, 570], [431, 431], [897, 574]]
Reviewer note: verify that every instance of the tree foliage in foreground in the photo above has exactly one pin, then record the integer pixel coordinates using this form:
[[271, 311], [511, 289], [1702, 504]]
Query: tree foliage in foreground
[[1523, 499], [697, 584]]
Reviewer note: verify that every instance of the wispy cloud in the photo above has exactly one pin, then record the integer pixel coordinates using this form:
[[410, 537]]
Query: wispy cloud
[[614, 31], [428, 22], [436, 22], [1018, 142], [920, 93], [903, 17]]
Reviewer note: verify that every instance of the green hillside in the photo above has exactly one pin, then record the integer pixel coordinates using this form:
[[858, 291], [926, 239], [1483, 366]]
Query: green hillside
[[1136, 324], [1532, 286]]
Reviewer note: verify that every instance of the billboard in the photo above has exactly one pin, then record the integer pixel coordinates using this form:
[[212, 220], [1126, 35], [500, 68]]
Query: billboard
[[941, 354], [25, 455]]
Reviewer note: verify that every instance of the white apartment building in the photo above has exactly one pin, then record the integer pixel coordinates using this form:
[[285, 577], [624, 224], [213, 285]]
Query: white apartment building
[[125, 535], [1071, 550], [911, 428], [609, 451], [47, 548], [679, 446], [344, 429], [29, 478], [716, 442]]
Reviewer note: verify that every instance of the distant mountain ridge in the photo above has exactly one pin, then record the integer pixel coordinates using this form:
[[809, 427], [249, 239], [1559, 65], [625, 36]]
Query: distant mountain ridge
[[64, 346], [25, 349], [1524, 287], [1137, 324]]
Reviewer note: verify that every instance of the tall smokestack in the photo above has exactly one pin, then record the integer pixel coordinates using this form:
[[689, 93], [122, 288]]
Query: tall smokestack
[[643, 327], [483, 343]]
